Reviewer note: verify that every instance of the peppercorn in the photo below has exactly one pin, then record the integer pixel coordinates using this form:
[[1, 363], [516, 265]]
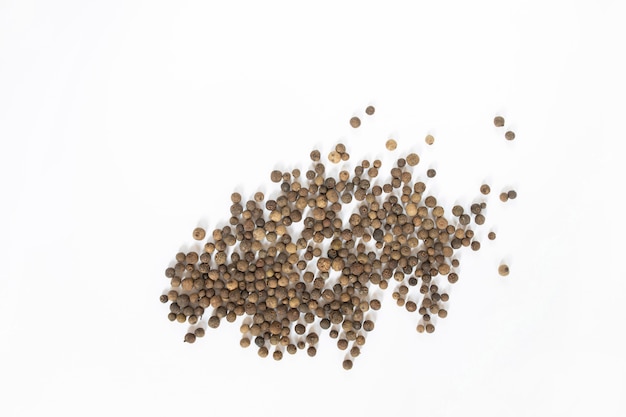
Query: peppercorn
[[503, 270], [431, 173], [491, 235], [347, 364], [412, 159], [485, 189], [334, 157], [509, 135], [429, 139], [369, 110], [504, 197], [190, 338], [391, 144], [512, 194], [355, 122], [498, 121]]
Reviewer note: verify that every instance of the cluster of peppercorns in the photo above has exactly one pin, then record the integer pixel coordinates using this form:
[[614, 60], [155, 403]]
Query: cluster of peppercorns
[[295, 268]]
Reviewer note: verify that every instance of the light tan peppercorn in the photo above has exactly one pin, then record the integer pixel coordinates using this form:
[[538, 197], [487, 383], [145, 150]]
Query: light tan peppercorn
[[503, 270], [420, 328], [429, 139], [334, 157], [369, 110], [244, 342], [355, 122], [391, 144], [498, 121], [412, 159], [504, 197]]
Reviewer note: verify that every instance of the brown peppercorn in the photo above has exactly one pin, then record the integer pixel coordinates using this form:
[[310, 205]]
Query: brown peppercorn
[[164, 298], [503, 270], [512, 194], [355, 351], [214, 322], [498, 121], [431, 173], [442, 313], [369, 110], [491, 235], [412, 159], [258, 196], [445, 297], [485, 189], [190, 338], [430, 328], [199, 332], [311, 351], [391, 144], [277, 355], [244, 342], [504, 197], [355, 122], [276, 176], [263, 352], [347, 364], [509, 135], [199, 233], [420, 328], [315, 155]]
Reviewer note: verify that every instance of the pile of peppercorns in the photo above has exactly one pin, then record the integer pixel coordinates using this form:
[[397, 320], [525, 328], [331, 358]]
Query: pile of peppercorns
[[293, 267]]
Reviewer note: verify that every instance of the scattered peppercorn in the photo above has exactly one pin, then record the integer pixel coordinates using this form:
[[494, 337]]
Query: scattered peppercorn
[[267, 263]]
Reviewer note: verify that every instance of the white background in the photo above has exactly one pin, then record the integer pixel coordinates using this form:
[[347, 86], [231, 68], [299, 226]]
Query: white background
[[125, 124]]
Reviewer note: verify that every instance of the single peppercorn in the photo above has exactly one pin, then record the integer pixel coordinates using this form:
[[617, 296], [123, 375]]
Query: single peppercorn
[[504, 197], [485, 189], [429, 139], [369, 110], [498, 121], [503, 270], [355, 122], [431, 173], [276, 176], [190, 338], [347, 364], [199, 233], [509, 135], [491, 235], [391, 144], [512, 194], [412, 159]]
